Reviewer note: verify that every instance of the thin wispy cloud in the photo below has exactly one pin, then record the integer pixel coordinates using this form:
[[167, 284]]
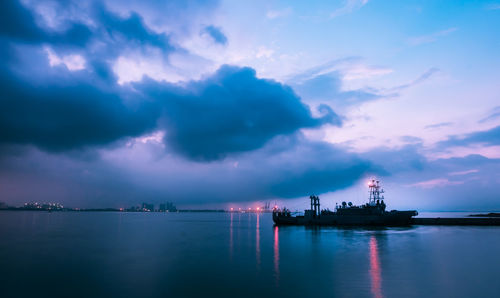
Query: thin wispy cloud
[[439, 182], [494, 6], [350, 68], [438, 125], [422, 78], [325, 68], [423, 39], [275, 14], [494, 114], [489, 137], [357, 72], [466, 172], [324, 82], [348, 7]]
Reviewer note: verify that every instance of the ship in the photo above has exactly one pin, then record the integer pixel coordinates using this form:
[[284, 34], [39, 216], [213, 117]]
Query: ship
[[373, 213]]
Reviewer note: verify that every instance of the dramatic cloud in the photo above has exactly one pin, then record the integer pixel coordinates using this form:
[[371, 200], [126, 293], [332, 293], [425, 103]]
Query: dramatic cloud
[[17, 24], [316, 168], [68, 113], [232, 111], [106, 103], [58, 109]]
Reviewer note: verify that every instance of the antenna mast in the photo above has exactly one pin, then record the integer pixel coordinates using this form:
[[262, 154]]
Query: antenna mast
[[375, 191]]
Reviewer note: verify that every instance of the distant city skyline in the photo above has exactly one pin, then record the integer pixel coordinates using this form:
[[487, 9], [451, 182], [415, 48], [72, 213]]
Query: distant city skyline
[[227, 104]]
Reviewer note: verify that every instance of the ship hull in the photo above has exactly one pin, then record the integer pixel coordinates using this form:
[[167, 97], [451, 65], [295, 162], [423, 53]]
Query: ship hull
[[394, 218]]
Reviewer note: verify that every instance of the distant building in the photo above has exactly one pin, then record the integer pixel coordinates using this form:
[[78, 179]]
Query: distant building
[[167, 207], [42, 206], [134, 209], [148, 207]]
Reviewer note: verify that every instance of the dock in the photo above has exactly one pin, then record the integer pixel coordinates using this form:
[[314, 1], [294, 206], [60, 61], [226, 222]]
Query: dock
[[458, 221]]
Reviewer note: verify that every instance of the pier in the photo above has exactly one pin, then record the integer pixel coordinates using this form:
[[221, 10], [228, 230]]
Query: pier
[[457, 221]]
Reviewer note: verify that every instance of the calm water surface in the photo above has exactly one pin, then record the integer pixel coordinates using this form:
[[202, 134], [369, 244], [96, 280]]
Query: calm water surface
[[238, 255]]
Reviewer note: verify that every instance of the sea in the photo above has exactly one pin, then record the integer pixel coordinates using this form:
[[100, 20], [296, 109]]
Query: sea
[[119, 254]]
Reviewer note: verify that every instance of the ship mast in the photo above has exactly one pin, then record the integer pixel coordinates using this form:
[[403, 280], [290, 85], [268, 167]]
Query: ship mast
[[375, 191]]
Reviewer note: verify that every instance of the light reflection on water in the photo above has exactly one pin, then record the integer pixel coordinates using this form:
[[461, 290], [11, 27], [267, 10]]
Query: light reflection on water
[[257, 241], [276, 258], [242, 255], [375, 269], [231, 244]]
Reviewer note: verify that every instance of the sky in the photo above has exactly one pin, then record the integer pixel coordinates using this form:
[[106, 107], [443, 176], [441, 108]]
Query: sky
[[232, 103]]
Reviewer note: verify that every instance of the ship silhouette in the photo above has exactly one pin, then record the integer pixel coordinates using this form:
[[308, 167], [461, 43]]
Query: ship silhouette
[[372, 213]]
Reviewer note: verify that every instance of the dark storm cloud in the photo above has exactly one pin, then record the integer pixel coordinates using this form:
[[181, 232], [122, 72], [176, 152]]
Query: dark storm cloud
[[176, 15], [245, 126], [68, 114], [393, 161], [231, 111], [287, 166], [131, 28], [216, 34], [489, 137], [314, 168], [18, 24], [100, 43], [57, 109]]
